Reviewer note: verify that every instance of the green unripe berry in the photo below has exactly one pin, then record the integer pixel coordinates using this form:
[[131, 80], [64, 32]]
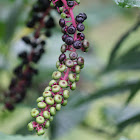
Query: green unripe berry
[[51, 118], [40, 99], [58, 107], [77, 69], [63, 48], [65, 102], [58, 98], [49, 100], [30, 126], [40, 132], [80, 61], [41, 105], [73, 55], [73, 86], [47, 94], [56, 75], [63, 83], [57, 64], [46, 114], [77, 77], [82, 66], [51, 4], [52, 111], [62, 68], [78, 1], [52, 82], [71, 77], [63, 15], [85, 44], [47, 88], [34, 112], [69, 63], [40, 120], [61, 9], [66, 94], [47, 124], [55, 88]]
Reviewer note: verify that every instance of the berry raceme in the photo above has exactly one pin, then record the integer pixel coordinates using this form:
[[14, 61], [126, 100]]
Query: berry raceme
[[24, 72], [68, 67]]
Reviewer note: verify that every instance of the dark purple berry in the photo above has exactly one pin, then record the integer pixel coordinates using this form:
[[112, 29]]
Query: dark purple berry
[[36, 8], [83, 15], [63, 30], [80, 27], [42, 42], [81, 36], [69, 40], [26, 39], [77, 44], [34, 44], [64, 37], [50, 23], [48, 33], [30, 24], [62, 22], [62, 57], [71, 29], [70, 3], [23, 54], [79, 19], [9, 106]]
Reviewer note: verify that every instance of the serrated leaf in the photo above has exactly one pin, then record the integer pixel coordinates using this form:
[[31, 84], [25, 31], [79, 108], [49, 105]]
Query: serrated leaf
[[128, 3]]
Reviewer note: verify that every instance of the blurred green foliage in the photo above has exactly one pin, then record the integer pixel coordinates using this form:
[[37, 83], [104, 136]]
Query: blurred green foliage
[[106, 104]]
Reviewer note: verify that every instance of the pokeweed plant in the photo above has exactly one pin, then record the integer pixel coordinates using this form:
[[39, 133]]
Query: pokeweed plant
[[68, 66], [25, 71]]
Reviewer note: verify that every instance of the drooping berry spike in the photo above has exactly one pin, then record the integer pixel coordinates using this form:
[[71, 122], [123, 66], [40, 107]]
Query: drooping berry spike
[[25, 71], [69, 67]]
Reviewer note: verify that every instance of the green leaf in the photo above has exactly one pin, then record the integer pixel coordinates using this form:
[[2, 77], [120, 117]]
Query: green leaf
[[127, 117], [118, 45], [133, 93], [128, 3], [107, 91], [13, 19], [18, 137], [127, 61]]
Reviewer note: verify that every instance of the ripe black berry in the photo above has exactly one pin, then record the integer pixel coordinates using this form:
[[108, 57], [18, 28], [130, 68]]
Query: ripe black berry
[[70, 3], [71, 29], [64, 37], [77, 44], [62, 57], [50, 23], [80, 27], [81, 36], [62, 22], [69, 40], [26, 39]]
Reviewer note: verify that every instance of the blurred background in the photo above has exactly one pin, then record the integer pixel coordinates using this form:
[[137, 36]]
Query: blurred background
[[105, 105]]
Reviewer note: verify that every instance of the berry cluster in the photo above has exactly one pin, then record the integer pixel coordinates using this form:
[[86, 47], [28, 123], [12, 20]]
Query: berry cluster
[[25, 71], [68, 67]]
